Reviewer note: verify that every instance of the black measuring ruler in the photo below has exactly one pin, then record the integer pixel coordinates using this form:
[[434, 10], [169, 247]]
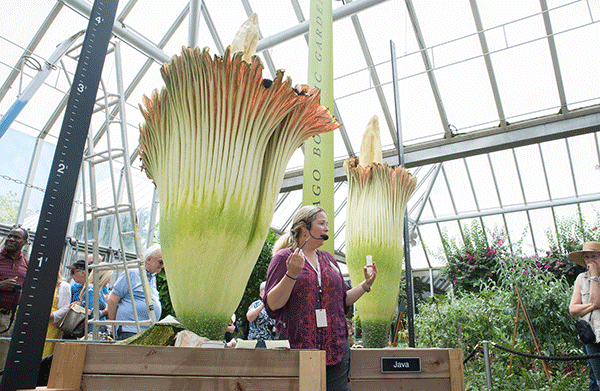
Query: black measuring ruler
[[27, 343]]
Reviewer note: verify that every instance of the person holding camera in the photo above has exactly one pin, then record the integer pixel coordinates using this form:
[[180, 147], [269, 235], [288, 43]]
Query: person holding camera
[[13, 267]]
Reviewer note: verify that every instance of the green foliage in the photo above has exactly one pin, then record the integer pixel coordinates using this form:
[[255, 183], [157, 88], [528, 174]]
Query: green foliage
[[573, 377], [163, 294], [571, 233], [544, 296], [9, 206], [487, 307], [474, 263], [469, 318], [474, 260], [466, 319], [259, 274]]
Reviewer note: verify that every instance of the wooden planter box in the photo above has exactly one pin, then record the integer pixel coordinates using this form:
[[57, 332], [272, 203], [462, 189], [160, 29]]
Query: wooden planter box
[[78, 366], [439, 369]]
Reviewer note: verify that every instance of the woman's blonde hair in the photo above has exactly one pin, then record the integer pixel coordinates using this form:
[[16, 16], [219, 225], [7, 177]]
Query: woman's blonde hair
[[60, 277], [104, 276], [306, 214]]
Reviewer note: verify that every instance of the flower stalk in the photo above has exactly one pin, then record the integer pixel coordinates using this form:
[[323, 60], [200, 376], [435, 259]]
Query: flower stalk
[[216, 141], [377, 199]]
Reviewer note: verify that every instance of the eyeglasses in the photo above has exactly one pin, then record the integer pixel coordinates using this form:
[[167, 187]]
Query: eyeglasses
[[73, 271], [161, 262]]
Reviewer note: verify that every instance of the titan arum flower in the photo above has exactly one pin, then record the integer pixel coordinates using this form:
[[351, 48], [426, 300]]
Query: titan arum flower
[[216, 141], [377, 198]]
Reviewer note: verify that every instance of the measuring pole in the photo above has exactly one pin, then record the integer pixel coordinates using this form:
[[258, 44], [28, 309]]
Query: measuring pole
[[27, 343]]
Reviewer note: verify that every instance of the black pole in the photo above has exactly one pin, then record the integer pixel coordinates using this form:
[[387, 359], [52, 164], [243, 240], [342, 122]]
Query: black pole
[[27, 341], [407, 268]]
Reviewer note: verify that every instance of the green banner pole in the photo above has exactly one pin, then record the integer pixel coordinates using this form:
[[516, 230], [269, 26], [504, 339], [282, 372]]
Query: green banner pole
[[318, 151]]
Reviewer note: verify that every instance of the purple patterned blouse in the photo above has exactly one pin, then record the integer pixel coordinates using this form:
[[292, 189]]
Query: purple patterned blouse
[[296, 320]]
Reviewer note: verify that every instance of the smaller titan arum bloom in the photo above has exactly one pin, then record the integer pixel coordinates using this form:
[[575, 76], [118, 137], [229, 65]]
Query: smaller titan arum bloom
[[377, 198], [216, 141]]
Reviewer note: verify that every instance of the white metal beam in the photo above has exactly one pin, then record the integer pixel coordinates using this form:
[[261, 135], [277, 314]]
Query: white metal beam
[[428, 67], [30, 48], [148, 48], [554, 55], [488, 62], [513, 209], [476, 143]]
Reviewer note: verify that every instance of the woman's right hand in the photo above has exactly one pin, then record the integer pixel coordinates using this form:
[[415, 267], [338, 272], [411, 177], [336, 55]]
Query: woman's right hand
[[295, 263]]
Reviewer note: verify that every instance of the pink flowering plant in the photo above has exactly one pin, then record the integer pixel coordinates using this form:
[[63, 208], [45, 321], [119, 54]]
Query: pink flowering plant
[[474, 260], [482, 255]]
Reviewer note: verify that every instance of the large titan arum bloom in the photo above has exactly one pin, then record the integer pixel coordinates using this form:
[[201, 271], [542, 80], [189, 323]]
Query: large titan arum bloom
[[377, 198], [216, 142]]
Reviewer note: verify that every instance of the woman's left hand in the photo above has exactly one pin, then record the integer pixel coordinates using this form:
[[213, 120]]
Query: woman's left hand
[[370, 275]]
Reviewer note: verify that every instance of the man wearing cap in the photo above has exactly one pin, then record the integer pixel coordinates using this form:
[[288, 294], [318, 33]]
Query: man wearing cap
[[78, 275], [585, 302], [13, 268], [119, 302]]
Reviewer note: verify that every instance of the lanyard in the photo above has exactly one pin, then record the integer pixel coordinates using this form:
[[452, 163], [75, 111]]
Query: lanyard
[[320, 313], [317, 270]]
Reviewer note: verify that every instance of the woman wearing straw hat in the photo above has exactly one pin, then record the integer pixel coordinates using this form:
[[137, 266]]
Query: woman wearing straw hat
[[585, 302]]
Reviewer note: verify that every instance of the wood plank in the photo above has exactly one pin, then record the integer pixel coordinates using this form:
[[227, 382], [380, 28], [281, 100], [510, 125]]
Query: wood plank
[[180, 383], [457, 371], [67, 366], [169, 360], [312, 370], [366, 363], [400, 385]]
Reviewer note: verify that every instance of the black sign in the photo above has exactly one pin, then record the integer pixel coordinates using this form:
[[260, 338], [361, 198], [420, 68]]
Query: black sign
[[400, 364]]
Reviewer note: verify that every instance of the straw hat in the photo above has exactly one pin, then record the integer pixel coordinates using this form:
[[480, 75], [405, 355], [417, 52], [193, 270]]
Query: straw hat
[[588, 247]]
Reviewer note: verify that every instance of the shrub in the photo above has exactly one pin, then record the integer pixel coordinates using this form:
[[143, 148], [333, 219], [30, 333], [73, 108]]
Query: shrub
[[474, 260], [464, 320], [487, 280]]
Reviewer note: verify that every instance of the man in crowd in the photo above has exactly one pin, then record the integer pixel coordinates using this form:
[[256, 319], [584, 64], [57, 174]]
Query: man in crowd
[[13, 267], [119, 301]]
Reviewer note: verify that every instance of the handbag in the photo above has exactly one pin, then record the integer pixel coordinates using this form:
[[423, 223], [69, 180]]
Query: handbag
[[73, 321], [585, 332]]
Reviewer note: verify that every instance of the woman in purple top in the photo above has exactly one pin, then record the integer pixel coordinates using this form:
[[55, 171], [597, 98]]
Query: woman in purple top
[[307, 295]]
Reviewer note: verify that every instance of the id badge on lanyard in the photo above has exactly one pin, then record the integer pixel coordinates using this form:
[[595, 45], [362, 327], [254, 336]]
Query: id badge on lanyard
[[320, 313]]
